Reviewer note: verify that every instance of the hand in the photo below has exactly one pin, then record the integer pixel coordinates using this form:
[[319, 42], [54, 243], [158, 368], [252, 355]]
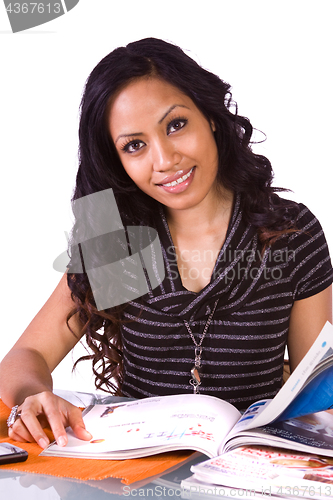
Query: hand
[[46, 409]]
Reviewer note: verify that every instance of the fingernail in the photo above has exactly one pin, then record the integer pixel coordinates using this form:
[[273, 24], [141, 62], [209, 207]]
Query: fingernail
[[61, 441], [43, 443], [87, 433]]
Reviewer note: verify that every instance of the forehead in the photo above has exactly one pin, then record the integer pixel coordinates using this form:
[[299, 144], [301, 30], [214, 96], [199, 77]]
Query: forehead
[[145, 97]]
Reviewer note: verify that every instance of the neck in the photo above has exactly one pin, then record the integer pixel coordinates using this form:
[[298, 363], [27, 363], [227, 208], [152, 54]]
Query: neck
[[203, 218]]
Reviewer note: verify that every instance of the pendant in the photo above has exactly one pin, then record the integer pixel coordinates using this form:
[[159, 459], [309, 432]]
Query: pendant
[[195, 381], [195, 375]]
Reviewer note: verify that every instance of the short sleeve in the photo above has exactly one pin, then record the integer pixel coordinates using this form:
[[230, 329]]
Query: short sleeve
[[311, 270]]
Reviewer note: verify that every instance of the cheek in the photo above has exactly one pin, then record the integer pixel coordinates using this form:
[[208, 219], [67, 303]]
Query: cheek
[[127, 165], [211, 149], [202, 145], [136, 171]]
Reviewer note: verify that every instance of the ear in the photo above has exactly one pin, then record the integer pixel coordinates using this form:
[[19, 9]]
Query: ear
[[212, 126]]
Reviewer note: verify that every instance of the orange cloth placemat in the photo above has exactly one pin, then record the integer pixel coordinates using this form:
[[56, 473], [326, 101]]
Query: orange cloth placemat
[[129, 471]]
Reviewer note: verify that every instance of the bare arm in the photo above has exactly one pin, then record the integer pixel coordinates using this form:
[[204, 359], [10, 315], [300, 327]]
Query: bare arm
[[308, 317], [25, 373]]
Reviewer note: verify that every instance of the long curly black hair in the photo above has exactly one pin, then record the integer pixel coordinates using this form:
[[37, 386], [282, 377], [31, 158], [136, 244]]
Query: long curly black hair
[[240, 170]]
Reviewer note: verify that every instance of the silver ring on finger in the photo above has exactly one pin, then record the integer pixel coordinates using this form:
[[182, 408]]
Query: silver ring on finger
[[13, 416]]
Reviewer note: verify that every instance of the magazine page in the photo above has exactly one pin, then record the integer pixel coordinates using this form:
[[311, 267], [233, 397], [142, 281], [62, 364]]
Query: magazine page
[[269, 469], [311, 433], [152, 425], [316, 396], [265, 411], [326, 361]]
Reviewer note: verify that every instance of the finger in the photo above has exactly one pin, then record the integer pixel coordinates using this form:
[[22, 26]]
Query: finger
[[20, 433], [33, 428], [75, 420], [56, 422], [23, 436], [34, 409]]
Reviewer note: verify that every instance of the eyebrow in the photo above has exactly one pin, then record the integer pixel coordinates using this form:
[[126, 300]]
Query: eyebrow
[[136, 134], [171, 109], [127, 135]]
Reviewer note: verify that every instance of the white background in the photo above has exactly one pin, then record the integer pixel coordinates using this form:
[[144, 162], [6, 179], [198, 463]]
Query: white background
[[277, 55]]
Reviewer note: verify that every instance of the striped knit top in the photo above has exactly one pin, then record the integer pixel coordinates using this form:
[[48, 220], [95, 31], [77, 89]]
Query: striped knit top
[[243, 350]]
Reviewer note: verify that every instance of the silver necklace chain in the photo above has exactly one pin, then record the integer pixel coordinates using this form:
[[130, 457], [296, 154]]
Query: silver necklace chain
[[195, 381]]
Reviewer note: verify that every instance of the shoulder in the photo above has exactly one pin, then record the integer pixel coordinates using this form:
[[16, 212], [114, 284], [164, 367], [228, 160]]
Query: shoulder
[[306, 221], [311, 268], [303, 222], [308, 235]]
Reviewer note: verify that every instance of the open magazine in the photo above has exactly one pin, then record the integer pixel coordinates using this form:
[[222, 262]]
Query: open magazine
[[210, 425]]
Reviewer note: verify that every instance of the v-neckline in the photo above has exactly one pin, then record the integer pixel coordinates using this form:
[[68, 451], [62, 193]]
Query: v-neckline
[[229, 234]]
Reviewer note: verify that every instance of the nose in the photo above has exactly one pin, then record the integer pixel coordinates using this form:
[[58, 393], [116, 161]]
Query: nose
[[164, 155]]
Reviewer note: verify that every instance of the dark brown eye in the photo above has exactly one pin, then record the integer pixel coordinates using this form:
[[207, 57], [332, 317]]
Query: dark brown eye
[[176, 124], [133, 146]]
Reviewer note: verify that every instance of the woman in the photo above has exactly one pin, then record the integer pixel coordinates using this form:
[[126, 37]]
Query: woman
[[246, 272]]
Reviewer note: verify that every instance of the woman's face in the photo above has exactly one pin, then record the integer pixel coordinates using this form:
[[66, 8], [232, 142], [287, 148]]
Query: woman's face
[[164, 142]]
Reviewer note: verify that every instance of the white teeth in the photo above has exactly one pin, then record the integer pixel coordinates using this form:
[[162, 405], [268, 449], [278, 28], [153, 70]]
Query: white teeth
[[178, 181]]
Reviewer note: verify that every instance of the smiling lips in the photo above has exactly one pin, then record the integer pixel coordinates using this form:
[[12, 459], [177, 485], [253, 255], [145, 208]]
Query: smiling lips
[[178, 184]]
